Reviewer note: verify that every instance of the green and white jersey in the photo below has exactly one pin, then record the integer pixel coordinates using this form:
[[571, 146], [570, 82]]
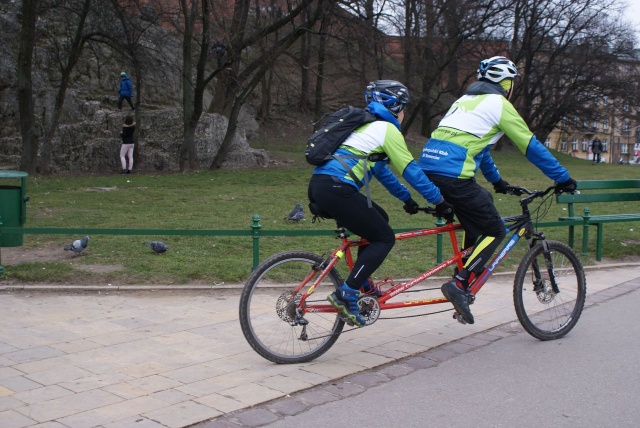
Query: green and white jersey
[[475, 122], [384, 138]]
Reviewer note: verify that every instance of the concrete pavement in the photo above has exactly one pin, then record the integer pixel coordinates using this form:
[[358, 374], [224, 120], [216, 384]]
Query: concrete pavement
[[146, 357]]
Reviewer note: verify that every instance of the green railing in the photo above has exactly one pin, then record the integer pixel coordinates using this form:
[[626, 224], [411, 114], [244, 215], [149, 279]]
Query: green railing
[[255, 231]]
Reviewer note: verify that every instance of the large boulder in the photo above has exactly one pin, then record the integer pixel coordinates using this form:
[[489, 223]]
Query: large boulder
[[92, 142]]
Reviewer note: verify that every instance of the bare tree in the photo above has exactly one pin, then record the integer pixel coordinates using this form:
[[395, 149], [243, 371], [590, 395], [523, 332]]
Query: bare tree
[[570, 54], [66, 37], [28, 129], [245, 72]]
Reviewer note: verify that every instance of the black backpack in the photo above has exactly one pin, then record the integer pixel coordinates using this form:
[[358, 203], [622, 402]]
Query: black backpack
[[334, 132]]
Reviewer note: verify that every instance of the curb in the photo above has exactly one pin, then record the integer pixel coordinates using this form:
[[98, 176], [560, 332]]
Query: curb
[[223, 286]]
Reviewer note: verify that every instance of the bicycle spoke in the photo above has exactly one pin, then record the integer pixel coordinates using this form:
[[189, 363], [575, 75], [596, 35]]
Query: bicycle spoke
[[544, 313], [271, 318]]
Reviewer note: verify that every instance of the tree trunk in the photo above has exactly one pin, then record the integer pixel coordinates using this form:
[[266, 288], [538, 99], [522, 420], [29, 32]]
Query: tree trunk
[[30, 141], [187, 149], [322, 49], [72, 59], [225, 147], [305, 61]]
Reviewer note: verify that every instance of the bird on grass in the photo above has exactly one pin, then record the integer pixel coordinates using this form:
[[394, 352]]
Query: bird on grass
[[297, 214], [158, 247], [78, 246]]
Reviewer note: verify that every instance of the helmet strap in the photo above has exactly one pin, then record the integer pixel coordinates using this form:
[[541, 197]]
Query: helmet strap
[[507, 85]]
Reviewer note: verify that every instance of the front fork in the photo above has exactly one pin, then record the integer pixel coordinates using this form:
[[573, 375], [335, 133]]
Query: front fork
[[546, 252]]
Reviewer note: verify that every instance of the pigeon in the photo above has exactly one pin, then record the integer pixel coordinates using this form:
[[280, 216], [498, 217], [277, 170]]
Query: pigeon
[[158, 247], [297, 214], [78, 246]]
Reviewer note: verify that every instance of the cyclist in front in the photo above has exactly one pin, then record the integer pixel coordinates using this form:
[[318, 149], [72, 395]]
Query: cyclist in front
[[460, 145], [333, 190]]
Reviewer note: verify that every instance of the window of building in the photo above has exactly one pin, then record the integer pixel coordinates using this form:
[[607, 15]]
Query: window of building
[[624, 148], [575, 121], [625, 126], [595, 124], [585, 145], [574, 145], [547, 142], [563, 146], [585, 123], [605, 123], [565, 122], [605, 143]]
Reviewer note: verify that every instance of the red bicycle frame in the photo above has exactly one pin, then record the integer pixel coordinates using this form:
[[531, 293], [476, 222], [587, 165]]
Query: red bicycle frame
[[345, 250]]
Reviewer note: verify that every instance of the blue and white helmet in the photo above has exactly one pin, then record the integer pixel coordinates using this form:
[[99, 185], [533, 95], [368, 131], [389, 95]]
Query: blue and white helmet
[[496, 69], [390, 93]]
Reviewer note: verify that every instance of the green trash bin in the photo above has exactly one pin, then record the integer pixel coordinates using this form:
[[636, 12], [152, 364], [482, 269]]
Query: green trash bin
[[13, 207]]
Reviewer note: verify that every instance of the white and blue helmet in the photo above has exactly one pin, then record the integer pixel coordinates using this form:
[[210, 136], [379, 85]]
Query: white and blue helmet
[[496, 69], [390, 93]]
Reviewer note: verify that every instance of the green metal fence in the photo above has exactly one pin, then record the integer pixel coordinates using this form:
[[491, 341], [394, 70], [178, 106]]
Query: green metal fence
[[255, 232]]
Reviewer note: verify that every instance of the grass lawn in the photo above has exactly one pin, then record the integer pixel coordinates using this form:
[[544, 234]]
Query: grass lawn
[[228, 199]]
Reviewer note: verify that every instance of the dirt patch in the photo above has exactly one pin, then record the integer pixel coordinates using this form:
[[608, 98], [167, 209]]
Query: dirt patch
[[12, 256], [99, 268]]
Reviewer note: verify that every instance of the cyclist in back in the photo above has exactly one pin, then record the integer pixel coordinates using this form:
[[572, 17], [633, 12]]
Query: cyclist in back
[[460, 145], [333, 191]]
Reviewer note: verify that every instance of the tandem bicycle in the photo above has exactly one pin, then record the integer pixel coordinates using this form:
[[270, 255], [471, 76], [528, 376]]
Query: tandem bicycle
[[286, 319]]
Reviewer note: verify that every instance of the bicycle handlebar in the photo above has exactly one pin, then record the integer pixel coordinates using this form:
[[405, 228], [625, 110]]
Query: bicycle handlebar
[[428, 210], [511, 190]]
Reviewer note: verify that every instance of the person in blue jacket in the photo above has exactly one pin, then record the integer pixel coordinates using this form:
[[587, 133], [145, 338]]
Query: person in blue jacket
[[335, 191], [125, 91], [460, 146]]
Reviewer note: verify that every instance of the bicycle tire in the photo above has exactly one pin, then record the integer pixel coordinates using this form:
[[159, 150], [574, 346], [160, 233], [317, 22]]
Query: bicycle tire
[[267, 314], [544, 314]]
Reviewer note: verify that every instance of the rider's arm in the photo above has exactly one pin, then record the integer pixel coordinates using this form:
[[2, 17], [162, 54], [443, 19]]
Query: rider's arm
[[488, 167], [396, 148], [517, 130], [388, 179]]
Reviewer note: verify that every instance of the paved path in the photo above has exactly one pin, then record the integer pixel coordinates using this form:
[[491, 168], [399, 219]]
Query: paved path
[[144, 358], [499, 378]]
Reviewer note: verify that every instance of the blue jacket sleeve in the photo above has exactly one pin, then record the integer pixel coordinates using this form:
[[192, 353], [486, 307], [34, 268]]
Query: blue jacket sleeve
[[419, 181], [488, 167], [384, 175], [538, 155]]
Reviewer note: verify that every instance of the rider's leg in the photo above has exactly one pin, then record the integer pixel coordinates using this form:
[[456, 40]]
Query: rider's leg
[[349, 208], [483, 226]]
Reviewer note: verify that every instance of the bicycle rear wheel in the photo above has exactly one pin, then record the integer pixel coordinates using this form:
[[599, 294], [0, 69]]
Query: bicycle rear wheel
[[545, 313], [268, 316]]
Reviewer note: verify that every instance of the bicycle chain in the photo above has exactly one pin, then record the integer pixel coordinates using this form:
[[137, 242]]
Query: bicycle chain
[[387, 318]]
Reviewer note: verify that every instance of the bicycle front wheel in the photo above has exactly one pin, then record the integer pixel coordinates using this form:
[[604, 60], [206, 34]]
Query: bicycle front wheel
[[270, 314], [547, 312]]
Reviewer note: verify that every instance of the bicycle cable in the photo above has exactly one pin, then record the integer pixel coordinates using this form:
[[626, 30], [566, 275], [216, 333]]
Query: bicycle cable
[[542, 209]]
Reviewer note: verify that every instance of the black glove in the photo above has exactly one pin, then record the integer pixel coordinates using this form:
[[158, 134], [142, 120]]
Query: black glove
[[410, 206], [568, 186], [445, 210], [500, 186]]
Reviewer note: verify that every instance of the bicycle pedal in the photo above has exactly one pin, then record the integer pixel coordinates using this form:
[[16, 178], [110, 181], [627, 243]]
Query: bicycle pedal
[[458, 317], [347, 321]]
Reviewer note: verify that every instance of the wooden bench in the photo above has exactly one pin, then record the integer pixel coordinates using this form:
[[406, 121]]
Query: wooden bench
[[609, 192]]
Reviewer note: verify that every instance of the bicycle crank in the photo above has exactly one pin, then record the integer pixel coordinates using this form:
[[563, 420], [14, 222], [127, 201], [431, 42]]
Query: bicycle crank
[[369, 309]]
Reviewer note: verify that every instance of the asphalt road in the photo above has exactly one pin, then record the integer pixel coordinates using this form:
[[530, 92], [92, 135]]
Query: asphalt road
[[590, 378]]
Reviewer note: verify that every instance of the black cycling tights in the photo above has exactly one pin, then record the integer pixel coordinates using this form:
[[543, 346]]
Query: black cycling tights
[[349, 208]]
